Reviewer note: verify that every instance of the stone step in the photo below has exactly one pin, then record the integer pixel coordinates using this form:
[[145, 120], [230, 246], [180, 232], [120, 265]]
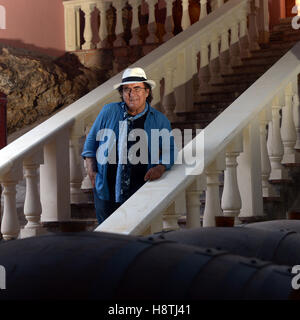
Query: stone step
[[252, 69]]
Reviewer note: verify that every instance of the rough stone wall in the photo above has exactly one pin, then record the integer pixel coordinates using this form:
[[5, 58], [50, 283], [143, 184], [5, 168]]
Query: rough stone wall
[[38, 85]]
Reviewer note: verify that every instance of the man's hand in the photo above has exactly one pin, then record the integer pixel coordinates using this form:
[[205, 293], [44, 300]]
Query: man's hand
[[91, 166], [155, 172]]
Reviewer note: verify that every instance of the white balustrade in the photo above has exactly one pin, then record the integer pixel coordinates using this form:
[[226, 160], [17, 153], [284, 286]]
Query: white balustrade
[[274, 144], [288, 130], [87, 34], [267, 189], [55, 179], [235, 55], [119, 31], [204, 75], [296, 113], [169, 101], [212, 194], [32, 204], [193, 202], [253, 29], [135, 39], [103, 33], [185, 20], [203, 9], [152, 38], [225, 67], [170, 218], [169, 24], [215, 76], [244, 35], [231, 199], [249, 172], [10, 226]]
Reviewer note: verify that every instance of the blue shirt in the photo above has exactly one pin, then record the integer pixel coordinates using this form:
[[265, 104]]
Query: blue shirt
[[109, 118]]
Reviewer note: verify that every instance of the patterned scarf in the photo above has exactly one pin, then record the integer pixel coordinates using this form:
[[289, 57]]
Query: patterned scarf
[[124, 166]]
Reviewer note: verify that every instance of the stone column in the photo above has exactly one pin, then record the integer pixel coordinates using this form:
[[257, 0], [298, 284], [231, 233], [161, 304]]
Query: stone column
[[185, 20], [87, 34], [103, 43], [119, 31]]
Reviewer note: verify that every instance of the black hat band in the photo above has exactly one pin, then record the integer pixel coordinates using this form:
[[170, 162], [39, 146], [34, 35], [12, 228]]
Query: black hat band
[[134, 79]]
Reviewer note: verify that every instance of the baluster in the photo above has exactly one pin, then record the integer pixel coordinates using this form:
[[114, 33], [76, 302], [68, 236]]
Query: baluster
[[135, 27], [87, 34], [267, 189], [169, 24], [32, 204], [119, 31], [170, 218], [152, 38], [169, 101], [10, 226], [76, 176], [193, 202], [71, 34], [212, 195], [296, 112], [249, 172], [214, 65], [231, 198], [103, 43], [235, 57], [55, 179], [204, 69], [288, 131], [244, 37], [185, 20], [274, 144], [225, 67], [203, 9], [253, 31]]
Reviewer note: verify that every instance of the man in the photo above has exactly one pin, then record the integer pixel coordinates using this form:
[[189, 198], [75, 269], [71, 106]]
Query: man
[[112, 135]]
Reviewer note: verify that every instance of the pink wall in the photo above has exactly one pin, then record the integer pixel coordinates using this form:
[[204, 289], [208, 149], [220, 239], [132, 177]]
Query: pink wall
[[35, 24]]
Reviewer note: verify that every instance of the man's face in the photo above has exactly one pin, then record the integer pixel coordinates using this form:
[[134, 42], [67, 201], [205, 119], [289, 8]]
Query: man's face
[[135, 96]]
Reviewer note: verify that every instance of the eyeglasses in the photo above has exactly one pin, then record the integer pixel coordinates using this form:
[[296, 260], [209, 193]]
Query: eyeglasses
[[134, 89]]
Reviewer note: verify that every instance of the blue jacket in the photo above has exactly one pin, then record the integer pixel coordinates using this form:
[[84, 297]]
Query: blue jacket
[[109, 118]]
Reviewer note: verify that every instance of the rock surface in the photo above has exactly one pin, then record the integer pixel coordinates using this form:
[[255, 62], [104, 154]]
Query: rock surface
[[36, 85]]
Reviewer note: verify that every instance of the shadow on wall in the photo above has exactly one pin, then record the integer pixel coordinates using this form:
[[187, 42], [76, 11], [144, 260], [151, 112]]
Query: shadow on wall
[[52, 52]]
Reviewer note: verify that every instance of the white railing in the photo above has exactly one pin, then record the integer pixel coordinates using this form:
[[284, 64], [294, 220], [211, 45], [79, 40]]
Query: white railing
[[93, 24], [53, 145]]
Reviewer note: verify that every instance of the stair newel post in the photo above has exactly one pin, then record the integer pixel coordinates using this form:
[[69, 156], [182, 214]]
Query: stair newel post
[[170, 218], [214, 65], [103, 43], [119, 31], [288, 130], [152, 38], [267, 189], [10, 226], [212, 194], [204, 73], [225, 67], [249, 172], [55, 178], [253, 30], [203, 9], [185, 20], [169, 23], [193, 203], [235, 56], [72, 42], [169, 101], [135, 26], [274, 144], [87, 34], [32, 204], [244, 37], [296, 112], [231, 202]]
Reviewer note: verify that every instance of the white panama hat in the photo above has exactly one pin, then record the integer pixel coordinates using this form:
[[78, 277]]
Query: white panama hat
[[134, 75]]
